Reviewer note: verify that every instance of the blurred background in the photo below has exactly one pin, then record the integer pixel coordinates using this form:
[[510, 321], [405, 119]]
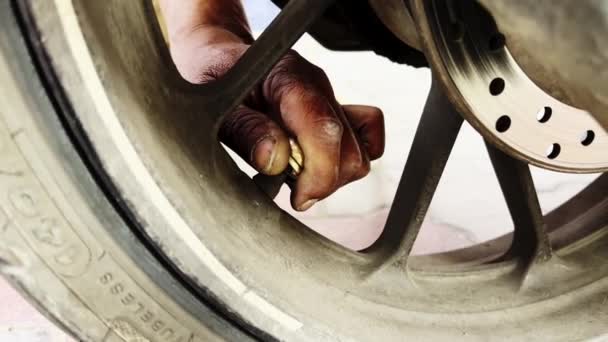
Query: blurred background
[[468, 207]]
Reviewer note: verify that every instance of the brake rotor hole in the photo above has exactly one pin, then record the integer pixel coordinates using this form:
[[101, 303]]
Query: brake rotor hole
[[553, 151], [503, 123], [497, 86], [544, 114], [587, 138], [497, 42]]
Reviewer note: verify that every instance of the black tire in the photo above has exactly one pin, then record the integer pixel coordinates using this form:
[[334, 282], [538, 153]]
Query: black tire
[[63, 244]]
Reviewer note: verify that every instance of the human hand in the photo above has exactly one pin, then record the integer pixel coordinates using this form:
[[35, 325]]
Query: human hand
[[295, 100]]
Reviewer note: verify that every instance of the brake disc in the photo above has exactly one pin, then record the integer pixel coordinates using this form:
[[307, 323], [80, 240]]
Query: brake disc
[[471, 58]]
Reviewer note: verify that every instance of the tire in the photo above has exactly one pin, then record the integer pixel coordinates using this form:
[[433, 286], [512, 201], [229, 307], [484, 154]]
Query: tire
[[62, 243]]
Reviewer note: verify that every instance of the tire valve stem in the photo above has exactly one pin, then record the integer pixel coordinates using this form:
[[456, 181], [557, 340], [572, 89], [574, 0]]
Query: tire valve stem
[[271, 185]]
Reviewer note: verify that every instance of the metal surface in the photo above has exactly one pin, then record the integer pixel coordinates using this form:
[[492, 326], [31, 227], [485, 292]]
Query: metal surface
[[435, 137], [494, 94], [530, 238], [296, 159], [561, 45]]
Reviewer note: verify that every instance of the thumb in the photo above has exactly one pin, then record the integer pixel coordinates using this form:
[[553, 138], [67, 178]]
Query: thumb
[[257, 139]]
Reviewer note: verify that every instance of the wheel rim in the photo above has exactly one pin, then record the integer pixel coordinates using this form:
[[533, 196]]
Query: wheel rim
[[166, 170]]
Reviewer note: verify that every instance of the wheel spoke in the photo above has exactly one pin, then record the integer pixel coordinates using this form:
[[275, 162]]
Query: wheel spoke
[[530, 239], [435, 137], [294, 20]]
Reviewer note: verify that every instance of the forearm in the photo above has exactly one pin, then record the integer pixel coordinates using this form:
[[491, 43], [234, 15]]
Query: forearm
[[207, 21]]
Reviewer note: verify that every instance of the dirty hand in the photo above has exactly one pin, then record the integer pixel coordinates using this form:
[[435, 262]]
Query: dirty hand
[[207, 37]]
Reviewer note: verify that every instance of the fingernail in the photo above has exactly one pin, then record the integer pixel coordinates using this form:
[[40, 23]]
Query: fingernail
[[265, 145], [308, 204]]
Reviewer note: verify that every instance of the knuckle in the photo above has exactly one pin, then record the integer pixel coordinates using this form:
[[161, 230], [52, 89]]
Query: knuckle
[[243, 123], [329, 129], [282, 74], [319, 74], [294, 75], [279, 85], [292, 57]]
